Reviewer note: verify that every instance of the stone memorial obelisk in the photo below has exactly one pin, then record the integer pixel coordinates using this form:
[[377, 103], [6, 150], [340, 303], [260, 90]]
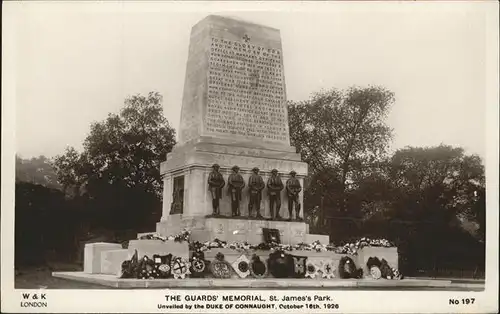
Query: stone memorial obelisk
[[234, 120], [234, 113]]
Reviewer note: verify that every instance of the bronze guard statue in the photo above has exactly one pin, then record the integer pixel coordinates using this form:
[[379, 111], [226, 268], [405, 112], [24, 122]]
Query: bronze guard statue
[[215, 184], [236, 184], [255, 185], [293, 189], [274, 188]]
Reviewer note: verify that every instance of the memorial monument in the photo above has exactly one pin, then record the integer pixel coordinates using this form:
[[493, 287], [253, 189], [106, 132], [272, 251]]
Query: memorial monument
[[234, 116], [228, 177]]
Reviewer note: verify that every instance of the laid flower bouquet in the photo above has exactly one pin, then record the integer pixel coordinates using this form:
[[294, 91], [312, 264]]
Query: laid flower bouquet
[[180, 237]]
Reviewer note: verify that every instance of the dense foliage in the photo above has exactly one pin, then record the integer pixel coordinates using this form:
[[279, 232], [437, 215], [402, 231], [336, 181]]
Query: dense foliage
[[113, 184], [429, 200], [124, 151], [341, 135], [119, 168], [37, 170]]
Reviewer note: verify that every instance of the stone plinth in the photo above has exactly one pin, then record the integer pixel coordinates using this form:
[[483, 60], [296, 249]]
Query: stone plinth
[[111, 258], [237, 229], [111, 261], [92, 255], [172, 224], [194, 164]]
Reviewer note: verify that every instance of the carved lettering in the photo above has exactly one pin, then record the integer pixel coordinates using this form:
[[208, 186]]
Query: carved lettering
[[246, 91]]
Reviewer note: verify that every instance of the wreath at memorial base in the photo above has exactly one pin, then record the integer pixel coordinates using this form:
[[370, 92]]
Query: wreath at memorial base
[[258, 268], [242, 266], [180, 268], [347, 268], [130, 267], [385, 270], [327, 269], [373, 261], [220, 268], [298, 266], [163, 265], [311, 270], [381, 269], [198, 264], [397, 274], [375, 272], [147, 269], [278, 264]]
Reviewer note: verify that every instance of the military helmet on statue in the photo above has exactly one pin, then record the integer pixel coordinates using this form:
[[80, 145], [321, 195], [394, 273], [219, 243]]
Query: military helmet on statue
[[235, 168], [292, 173], [215, 166], [255, 169], [274, 171]]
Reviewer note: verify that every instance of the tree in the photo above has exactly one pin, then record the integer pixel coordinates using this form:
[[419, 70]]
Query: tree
[[432, 189], [342, 134], [433, 178], [36, 170], [37, 208], [119, 168]]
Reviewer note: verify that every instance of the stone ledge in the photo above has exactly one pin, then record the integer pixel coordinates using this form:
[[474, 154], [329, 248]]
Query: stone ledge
[[254, 218], [205, 160], [234, 229], [113, 281]]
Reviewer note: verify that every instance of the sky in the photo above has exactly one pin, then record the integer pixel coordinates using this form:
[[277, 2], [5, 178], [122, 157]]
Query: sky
[[77, 62]]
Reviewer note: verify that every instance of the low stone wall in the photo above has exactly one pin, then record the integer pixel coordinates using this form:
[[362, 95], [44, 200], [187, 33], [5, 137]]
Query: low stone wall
[[107, 258]]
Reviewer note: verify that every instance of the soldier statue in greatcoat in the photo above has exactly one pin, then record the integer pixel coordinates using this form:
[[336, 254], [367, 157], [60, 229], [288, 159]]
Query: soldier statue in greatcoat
[[215, 184], [274, 187], [255, 186], [293, 189], [236, 184]]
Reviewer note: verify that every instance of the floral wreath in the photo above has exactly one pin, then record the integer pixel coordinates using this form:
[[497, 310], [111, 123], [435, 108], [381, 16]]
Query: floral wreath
[[242, 266], [180, 268], [183, 236], [328, 269], [349, 248], [220, 268], [311, 269], [256, 259], [351, 272]]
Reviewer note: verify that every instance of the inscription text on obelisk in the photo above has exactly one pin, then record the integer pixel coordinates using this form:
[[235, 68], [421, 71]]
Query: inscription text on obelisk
[[246, 91]]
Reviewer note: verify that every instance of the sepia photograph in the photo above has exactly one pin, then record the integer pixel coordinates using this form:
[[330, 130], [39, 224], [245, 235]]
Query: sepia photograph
[[250, 157]]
